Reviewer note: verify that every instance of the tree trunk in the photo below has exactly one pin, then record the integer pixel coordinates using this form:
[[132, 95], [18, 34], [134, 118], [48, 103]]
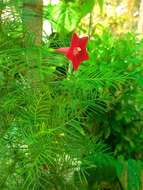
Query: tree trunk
[[1, 15], [140, 21], [32, 19]]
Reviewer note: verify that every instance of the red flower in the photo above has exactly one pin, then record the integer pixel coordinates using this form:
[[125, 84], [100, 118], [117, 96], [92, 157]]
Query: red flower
[[77, 50]]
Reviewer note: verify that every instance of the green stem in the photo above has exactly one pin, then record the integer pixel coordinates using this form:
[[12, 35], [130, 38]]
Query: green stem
[[70, 70]]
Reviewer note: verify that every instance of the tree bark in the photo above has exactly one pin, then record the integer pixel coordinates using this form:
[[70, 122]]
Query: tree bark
[[140, 21], [1, 9], [32, 19]]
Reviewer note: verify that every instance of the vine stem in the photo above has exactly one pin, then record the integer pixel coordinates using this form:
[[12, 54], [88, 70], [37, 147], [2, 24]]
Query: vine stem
[[70, 71]]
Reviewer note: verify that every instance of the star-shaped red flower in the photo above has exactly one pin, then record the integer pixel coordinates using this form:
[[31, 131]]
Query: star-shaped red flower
[[77, 50]]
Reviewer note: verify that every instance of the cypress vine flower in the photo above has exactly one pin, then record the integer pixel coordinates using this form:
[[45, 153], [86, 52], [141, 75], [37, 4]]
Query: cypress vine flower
[[77, 51]]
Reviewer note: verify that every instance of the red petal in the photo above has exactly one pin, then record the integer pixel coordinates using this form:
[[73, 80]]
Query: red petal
[[76, 62], [70, 55], [63, 50], [83, 42], [74, 41], [83, 56]]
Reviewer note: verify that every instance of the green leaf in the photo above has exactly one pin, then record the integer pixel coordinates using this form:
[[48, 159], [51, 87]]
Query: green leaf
[[133, 175], [87, 7], [128, 173], [100, 3], [65, 17]]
